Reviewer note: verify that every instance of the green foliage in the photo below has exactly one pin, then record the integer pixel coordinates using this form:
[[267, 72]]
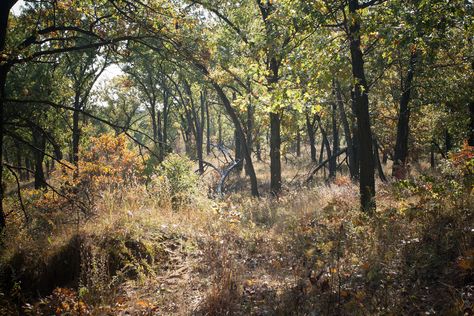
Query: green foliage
[[177, 172]]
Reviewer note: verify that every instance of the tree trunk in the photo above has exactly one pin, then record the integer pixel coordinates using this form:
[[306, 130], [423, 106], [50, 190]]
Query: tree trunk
[[208, 130], [239, 155], [3, 78], [310, 127], [335, 142], [332, 159], [361, 102], [377, 161], [347, 132], [166, 147], [219, 133], [275, 161], [75, 130], [5, 7], [258, 149], [200, 133], [238, 126], [448, 143], [39, 143], [399, 169], [298, 143], [249, 130]]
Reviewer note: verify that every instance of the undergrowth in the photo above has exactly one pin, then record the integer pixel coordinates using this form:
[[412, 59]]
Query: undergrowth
[[157, 244]]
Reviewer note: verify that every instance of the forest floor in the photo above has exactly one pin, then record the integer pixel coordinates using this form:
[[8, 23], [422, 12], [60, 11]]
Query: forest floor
[[308, 252]]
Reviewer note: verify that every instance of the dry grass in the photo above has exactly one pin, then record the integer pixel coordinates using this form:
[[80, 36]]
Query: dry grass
[[310, 250]]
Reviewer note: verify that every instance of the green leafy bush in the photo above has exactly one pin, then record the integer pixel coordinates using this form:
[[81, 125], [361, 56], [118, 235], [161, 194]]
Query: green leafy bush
[[182, 182]]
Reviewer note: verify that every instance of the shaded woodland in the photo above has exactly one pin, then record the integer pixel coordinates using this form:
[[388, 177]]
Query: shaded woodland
[[248, 157]]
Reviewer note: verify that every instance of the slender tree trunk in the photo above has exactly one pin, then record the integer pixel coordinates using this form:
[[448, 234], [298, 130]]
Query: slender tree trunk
[[258, 149], [39, 142], [335, 142], [298, 143], [275, 159], [448, 143], [332, 159], [311, 136], [361, 101], [249, 130], [384, 157], [238, 144], [347, 132], [239, 155], [5, 7], [166, 147], [377, 161], [219, 132], [159, 127], [3, 78], [208, 131], [399, 169], [75, 129]]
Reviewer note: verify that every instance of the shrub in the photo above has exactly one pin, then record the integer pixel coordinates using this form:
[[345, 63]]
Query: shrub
[[177, 174]]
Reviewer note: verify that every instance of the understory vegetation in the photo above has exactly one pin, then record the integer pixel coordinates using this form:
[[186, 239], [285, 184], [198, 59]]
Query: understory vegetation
[[161, 245]]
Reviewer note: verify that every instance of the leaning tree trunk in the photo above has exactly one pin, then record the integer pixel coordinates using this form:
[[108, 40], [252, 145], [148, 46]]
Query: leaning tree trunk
[[235, 119], [361, 103], [399, 169]]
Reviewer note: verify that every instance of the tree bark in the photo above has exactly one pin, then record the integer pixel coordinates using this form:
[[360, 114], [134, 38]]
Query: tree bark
[[399, 169], [361, 102]]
